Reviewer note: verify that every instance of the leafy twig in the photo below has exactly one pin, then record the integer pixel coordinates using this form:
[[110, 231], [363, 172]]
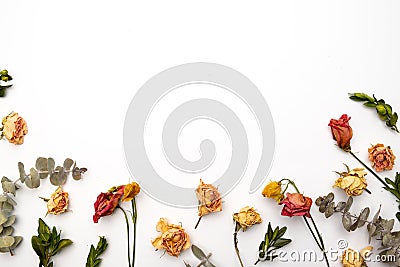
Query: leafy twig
[[383, 109], [93, 259], [4, 77], [48, 243]]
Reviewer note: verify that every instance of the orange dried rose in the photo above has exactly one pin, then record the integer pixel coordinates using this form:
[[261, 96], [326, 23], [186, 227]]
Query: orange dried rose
[[209, 199], [173, 238], [58, 202], [382, 157], [14, 128], [130, 191], [352, 258]]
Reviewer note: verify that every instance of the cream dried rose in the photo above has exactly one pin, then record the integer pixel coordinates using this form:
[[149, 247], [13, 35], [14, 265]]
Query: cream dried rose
[[209, 198], [173, 238], [58, 202], [247, 217], [14, 128], [382, 157], [352, 182]]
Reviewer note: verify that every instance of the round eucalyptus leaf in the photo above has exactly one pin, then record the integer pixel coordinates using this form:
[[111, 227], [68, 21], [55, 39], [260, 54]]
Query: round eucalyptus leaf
[[68, 164], [21, 169], [10, 221], [17, 241], [8, 230], [3, 198], [6, 241], [50, 165]]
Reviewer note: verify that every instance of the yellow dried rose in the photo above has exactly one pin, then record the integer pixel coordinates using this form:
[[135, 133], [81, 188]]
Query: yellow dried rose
[[14, 128], [130, 191], [382, 157], [273, 190], [209, 198], [58, 202], [352, 258], [247, 217], [352, 182], [173, 238]]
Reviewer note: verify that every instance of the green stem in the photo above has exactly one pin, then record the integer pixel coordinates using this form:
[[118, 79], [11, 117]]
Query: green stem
[[369, 169], [134, 220], [236, 241], [127, 232]]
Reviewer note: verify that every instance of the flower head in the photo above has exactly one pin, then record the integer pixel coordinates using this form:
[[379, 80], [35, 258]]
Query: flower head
[[352, 182], [342, 132], [130, 191], [273, 190], [107, 202], [14, 128], [173, 238], [352, 258], [382, 157], [209, 198], [58, 202], [247, 217], [296, 205]]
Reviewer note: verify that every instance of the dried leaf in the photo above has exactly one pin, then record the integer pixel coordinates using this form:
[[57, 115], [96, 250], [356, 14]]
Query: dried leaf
[[17, 241], [330, 210], [50, 165], [362, 219], [340, 206], [6, 241], [10, 221], [8, 230], [348, 204], [22, 174], [198, 253], [3, 218], [346, 221], [68, 164], [9, 187]]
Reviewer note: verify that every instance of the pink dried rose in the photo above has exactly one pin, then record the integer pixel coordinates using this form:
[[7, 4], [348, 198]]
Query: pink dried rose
[[296, 205], [382, 157], [107, 202]]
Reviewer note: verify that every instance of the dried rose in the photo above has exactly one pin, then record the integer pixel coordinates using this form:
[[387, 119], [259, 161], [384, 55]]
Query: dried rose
[[14, 128], [58, 202], [173, 238], [107, 202], [247, 217], [209, 198], [273, 190], [130, 191], [296, 205], [352, 258], [342, 132], [382, 157], [352, 182]]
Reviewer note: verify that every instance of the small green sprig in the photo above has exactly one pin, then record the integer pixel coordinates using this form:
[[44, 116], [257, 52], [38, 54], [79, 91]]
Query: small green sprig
[[48, 243], [4, 77], [93, 259], [273, 240], [205, 259], [394, 188], [383, 109]]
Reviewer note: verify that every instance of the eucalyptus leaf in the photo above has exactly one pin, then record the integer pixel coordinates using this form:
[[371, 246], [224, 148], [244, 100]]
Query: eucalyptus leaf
[[9, 187], [10, 221], [51, 165], [346, 221], [7, 207], [340, 206], [6, 241], [3, 198], [68, 164], [42, 167], [22, 174], [348, 204], [198, 253], [362, 219], [17, 241], [11, 201], [8, 230], [3, 218]]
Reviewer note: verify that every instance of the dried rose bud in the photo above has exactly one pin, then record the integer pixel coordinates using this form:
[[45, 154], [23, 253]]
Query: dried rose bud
[[247, 217], [14, 128], [273, 190], [173, 238], [352, 182], [342, 132], [209, 199], [58, 202], [130, 191]]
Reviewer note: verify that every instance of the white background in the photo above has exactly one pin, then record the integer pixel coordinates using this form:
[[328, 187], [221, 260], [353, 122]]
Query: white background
[[77, 65]]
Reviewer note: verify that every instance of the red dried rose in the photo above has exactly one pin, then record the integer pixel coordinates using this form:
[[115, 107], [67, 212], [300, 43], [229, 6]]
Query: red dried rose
[[296, 205], [342, 132], [107, 202]]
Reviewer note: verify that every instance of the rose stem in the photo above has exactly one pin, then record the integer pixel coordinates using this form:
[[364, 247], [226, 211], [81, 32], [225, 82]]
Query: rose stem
[[198, 221], [134, 220], [256, 262], [127, 232], [236, 241], [369, 169]]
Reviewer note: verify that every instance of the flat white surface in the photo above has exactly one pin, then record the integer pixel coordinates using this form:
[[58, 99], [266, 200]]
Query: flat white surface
[[77, 65]]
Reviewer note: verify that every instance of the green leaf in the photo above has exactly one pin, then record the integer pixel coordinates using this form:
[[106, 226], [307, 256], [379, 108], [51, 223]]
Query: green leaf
[[270, 232], [369, 104], [62, 244], [198, 253], [43, 228], [393, 184], [10, 221], [282, 242], [381, 110], [281, 232], [37, 246], [6, 241]]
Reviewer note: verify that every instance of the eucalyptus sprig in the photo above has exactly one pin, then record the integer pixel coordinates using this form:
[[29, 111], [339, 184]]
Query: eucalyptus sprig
[[383, 109], [273, 240], [93, 259], [378, 228], [203, 257], [8, 242], [4, 78], [45, 167], [48, 243]]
